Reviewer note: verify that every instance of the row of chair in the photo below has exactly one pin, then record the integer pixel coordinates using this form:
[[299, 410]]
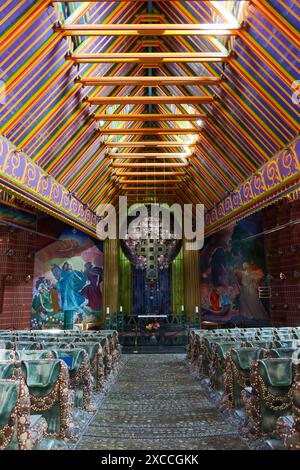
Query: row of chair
[[257, 370], [51, 378]]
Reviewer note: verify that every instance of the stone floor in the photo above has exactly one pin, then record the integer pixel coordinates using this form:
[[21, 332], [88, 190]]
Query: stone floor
[[156, 404]]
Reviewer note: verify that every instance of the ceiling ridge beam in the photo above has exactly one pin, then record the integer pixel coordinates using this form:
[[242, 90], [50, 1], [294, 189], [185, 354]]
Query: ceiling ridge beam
[[137, 99], [146, 81]]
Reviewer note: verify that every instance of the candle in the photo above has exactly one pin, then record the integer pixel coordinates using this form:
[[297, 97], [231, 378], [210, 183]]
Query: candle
[[121, 308], [197, 309], [182, 308], [107, 310]]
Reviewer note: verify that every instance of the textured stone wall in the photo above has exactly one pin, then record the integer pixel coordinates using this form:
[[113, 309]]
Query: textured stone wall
[[283, 260], [17, 248]]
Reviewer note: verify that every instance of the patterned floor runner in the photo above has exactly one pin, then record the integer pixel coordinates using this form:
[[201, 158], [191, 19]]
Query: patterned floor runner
[[156, 404]]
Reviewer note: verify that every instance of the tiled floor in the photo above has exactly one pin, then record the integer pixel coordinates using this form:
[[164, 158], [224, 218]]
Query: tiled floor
[[156, 404]]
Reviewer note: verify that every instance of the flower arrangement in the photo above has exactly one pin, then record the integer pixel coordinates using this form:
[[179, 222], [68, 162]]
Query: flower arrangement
[[152, 327]]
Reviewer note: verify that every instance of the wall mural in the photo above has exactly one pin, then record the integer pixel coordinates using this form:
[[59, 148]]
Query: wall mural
[[68, 276], [233, 266]]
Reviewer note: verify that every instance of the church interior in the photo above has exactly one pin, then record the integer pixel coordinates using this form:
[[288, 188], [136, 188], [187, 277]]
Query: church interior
[[149, 225]]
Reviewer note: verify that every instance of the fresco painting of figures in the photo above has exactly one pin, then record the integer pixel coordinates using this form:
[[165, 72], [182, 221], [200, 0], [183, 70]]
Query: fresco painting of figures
[[68, 275], [233, 267]]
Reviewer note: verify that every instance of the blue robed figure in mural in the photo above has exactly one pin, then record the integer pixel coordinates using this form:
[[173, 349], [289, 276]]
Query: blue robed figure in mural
[[70, 284]]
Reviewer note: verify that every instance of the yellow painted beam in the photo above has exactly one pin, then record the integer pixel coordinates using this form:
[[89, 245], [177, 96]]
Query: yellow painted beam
[[151, 131], [149, 117], [108, 100], [150, 165], [148, 81], [150, 57]]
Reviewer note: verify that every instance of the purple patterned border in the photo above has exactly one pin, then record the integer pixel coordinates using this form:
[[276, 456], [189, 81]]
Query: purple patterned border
[[272, 179], [42, 189]]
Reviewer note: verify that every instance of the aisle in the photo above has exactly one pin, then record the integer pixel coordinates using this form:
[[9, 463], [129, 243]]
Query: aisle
[[156, 404]]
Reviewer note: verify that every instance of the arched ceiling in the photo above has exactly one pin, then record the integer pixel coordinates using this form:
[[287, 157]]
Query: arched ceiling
[[172, 101]]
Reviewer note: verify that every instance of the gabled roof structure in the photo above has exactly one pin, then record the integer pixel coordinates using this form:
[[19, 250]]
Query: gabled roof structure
[[157, 100]]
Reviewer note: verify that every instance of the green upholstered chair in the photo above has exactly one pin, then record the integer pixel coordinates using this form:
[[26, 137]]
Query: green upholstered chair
[[48, 338], [48, 384], [190, 344], [71, 339], [17, 431], [206, 350], [7, 354], [7, 369], [32, 354], [26, 345], [218, 361], [45, 345], [259, 344], [6, 345], [284, 336], [288, 427], [24, 336], [237, 373], [266, 330], [95, 353], [269, 396], [297, 333], [78, 365], [284, 352], [195, 351], [286, 343], [106, 349]]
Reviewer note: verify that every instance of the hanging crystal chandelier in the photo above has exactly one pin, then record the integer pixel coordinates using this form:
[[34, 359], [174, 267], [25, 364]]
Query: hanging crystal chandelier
[[152, 245]]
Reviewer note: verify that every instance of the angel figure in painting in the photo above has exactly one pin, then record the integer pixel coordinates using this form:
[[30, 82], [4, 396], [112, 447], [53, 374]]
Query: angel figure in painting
[[93, 290]]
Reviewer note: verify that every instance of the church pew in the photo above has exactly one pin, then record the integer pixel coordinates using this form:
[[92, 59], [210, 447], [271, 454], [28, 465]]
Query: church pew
[[260, 344], [284, 352], [26, 345], [7, 369], [78, 365], [269, 396], [237, 373], [18, 431], [284, 336], [287, 343], [288, 427], [95, 353], [6, 345], [109, 363], [46, 345], [24, 354], [218, 360], [7, 354], [48, 384]]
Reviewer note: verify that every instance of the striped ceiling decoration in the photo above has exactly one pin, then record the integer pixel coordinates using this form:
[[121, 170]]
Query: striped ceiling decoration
[[52, 58]]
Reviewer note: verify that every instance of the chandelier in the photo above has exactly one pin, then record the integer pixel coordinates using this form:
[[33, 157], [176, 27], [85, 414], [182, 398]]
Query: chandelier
[[152, 245]]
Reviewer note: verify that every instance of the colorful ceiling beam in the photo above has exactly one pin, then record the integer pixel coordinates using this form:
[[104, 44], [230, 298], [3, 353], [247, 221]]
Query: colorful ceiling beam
[[149, 117], [150, 165], [143, 143], [148, 57], [154, 155], [148, 29], [151, 130], [149, 99], [148, 81]]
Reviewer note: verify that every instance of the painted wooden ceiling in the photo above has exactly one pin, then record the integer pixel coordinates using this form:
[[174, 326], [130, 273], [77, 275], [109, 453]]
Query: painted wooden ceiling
[[235, 72]]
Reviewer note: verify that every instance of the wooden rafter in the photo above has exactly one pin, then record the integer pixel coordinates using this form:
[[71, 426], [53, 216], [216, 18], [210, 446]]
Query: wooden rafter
[[148, 81], [149, 117]]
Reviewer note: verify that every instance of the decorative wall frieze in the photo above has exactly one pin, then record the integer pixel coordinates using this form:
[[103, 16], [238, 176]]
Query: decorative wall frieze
[[279, 176], [20, 175]]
